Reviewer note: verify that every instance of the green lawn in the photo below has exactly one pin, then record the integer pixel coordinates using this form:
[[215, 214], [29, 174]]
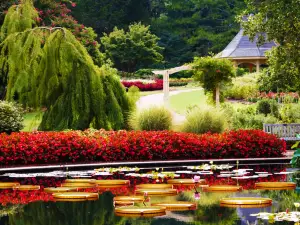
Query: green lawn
[[32, 121], [145, 93], [180, 102]]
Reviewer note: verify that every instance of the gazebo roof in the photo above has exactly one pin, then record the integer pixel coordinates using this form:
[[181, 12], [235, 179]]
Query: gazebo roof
[[242, 47]]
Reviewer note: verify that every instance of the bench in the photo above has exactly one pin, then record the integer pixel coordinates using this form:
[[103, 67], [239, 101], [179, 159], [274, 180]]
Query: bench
[[287, 132]]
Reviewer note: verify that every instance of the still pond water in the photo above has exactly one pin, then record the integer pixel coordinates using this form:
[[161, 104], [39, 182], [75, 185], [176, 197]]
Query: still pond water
[[37, 207]]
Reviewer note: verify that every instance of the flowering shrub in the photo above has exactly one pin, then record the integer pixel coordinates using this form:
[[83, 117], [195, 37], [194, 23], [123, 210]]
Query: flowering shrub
[[23, 197], [180, 82], [58, 14], [107, 146], [156, 85], [291, 97]]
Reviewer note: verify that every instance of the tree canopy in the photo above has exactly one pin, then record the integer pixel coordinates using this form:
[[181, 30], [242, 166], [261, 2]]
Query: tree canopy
[[280, 21], [128, 49], [185, 28], [212, 72], [48, 67]]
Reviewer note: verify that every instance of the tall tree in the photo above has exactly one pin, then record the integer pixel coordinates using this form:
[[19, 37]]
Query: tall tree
[[135, 47], [280, 21], [104, 15], [48, 66], [195, 28]]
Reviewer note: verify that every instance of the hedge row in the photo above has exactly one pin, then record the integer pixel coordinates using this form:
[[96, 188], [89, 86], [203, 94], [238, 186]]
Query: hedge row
[[156, 85], [107, 146]]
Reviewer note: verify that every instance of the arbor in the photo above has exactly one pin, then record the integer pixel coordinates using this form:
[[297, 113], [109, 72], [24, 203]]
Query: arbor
[[280, 21], [135, 47], [212, 72], [48, 67]]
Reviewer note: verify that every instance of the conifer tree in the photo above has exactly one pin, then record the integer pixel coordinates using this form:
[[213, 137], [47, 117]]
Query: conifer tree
[[49, 67]]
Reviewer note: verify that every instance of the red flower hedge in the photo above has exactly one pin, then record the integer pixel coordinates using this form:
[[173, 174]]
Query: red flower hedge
[[157, 85], [106, 146]]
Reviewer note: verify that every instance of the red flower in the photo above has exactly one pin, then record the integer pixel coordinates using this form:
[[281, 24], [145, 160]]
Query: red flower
[[68, 147]]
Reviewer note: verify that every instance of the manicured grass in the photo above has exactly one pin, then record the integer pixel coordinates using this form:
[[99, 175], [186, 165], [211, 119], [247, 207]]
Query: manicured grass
[[32, 121], [145, 93], [180, 102]]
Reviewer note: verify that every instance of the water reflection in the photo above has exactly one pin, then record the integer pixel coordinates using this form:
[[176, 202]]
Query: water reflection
[[39, 208]]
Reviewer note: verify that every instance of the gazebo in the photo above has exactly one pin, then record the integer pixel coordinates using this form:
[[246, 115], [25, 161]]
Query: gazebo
[[243, 51]]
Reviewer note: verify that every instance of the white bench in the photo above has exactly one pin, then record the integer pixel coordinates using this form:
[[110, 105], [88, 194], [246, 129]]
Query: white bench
[[287, 132]]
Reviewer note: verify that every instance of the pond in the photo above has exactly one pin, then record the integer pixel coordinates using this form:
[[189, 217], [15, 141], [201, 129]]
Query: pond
[[38, 206]]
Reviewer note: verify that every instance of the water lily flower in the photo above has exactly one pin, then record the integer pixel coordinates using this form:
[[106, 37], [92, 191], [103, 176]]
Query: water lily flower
[[196, 179]]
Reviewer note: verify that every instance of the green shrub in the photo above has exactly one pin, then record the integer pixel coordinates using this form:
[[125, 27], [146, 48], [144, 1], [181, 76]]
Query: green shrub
[[241, 71], [228, 111], [211, 98], [144, 73], [201, 121], [268, 106], [242, 120], [290, 113], [240, 92], [11, 117], [180, 75], [154, 118], [134, 94], [178, 84]]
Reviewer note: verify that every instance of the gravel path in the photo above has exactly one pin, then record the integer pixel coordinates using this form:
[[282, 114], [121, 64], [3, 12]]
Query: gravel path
[[158, 100]]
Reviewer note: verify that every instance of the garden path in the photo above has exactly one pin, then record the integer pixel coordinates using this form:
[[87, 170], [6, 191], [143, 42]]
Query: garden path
[[158, 100]]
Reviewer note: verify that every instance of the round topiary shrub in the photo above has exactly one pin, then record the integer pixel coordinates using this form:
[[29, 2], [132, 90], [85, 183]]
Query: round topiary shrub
[[201, 121], [151, 119], [11, 117], [268, 106]]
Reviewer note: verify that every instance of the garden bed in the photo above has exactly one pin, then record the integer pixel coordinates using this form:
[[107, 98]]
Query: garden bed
[[40, 148]]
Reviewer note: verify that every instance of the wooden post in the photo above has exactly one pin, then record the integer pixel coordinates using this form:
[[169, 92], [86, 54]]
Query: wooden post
[[250, 67], [166, 88], [166, 82], [257, 66], [218, 95]]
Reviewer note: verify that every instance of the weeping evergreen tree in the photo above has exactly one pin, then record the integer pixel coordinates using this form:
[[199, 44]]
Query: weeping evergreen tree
[[48, 67]]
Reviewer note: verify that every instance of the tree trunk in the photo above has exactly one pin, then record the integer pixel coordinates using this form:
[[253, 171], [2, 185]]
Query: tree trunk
[[218, 96]]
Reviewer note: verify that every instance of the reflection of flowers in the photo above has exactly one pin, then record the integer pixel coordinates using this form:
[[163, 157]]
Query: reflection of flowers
[[197, 195]]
